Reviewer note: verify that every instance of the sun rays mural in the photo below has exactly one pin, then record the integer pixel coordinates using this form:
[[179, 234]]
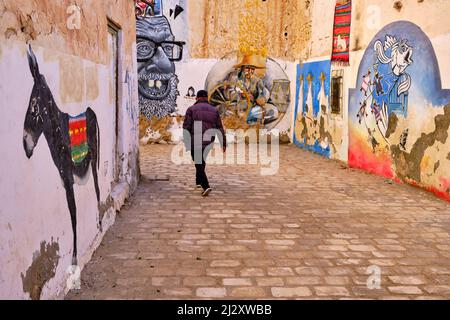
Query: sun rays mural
[[312, 111]]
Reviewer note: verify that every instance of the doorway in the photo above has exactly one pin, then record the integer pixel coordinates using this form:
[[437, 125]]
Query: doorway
[[113, 58]]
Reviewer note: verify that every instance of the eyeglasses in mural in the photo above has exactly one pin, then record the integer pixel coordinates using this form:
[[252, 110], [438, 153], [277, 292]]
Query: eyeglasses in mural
[[157, 50]]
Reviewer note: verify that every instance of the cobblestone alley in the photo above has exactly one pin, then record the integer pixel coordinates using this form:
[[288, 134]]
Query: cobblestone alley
[[316, 229]]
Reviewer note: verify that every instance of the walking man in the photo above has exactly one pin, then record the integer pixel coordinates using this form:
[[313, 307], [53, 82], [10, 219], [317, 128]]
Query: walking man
[[201, 124]]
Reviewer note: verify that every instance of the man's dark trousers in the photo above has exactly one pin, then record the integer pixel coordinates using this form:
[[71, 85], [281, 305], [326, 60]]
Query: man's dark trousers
[[199, 157]]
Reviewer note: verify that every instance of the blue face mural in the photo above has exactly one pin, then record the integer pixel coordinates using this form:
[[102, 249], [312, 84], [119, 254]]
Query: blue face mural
[[313, 107], [398, 91]]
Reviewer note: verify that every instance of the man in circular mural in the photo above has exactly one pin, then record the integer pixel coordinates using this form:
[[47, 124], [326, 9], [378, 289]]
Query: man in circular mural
[[258, 108], [249, 92]]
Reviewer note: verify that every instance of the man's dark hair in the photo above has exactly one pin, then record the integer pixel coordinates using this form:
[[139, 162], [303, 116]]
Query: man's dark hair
[[202, 94]]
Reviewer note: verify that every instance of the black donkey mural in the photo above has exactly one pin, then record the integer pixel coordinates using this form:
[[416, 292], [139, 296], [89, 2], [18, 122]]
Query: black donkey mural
[[74, 142]]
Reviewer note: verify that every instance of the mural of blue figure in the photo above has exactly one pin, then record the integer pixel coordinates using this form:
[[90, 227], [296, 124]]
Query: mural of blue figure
[[387, 91]]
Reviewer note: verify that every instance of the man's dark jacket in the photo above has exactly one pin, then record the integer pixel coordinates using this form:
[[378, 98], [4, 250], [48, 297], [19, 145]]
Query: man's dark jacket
[[210, 119]]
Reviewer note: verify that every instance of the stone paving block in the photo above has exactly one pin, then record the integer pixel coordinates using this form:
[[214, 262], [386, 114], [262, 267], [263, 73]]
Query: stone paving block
[[225, 263], [438, 289], [291, 292], [211, 292], [331, 291], [252, 272], [269, 281], [408, 280], [309, 271], [405, 290], [220, 272], [303, 280], [248, 292], [237, 282], [280, 271], [182, 292], [166, 281]]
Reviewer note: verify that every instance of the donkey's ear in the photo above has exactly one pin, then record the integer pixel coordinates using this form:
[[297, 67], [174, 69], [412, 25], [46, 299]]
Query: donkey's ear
[[34, 68]]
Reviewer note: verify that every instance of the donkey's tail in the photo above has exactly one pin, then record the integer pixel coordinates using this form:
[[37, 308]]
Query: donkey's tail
[[98, 143]]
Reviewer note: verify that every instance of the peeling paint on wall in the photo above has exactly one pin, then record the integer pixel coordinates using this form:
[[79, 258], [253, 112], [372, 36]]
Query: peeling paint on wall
[[91, 76], [103, 208], [71, 79], [281, 28], [42, 269], [45, 22]]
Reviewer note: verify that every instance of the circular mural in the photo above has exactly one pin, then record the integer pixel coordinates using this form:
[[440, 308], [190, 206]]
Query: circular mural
[[249, 91]]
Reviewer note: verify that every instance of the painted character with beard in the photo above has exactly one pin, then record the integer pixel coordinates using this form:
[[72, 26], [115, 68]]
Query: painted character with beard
[[156, 53]]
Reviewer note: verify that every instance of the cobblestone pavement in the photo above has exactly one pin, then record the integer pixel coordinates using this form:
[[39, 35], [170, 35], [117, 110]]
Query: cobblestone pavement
[[312, 231]]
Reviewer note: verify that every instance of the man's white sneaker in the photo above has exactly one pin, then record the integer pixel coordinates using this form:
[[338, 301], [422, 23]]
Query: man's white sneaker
[[206, 192]]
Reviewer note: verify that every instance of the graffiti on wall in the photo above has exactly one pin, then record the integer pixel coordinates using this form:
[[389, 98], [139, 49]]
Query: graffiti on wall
[[253, 29], [157, 52], [74, 142], [255, 91], [176, 11], [191, 93], [131, 110], [399, 114], [313, 114], [190, 97], [148, 8], [386, 84]]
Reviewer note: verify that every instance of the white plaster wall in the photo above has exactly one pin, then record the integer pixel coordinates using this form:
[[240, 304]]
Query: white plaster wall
[[178, 24], [441, 45], [285, 125], [191, 73], [33, 206], [369, 17]]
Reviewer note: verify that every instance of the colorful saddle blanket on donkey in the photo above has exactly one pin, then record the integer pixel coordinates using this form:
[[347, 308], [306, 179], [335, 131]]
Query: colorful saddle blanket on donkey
[[78, 137]]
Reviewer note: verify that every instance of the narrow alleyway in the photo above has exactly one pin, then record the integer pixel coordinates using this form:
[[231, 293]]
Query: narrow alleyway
[[311, 231]]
